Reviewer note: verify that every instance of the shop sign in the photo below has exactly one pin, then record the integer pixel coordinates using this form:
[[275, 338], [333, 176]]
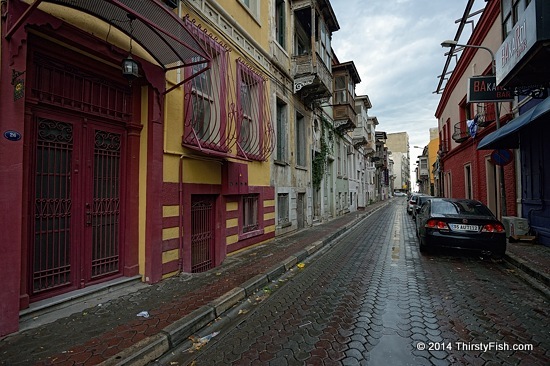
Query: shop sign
[[518, 42], [483, 89]]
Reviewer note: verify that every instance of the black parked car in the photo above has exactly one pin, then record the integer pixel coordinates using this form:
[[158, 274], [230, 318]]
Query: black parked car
[[460, 223], [412, 202], [419, 202]]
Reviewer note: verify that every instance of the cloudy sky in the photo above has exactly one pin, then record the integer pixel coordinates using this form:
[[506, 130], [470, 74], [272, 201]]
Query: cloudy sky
[[396, 48]]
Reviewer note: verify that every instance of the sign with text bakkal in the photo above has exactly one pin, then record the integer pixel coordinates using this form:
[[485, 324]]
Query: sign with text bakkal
[[484, 89]]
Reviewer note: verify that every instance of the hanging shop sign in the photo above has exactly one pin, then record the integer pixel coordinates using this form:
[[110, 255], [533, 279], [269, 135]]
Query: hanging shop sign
[[483, 89]]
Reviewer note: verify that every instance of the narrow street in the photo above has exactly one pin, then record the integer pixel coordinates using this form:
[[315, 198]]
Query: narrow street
[[373, 299]]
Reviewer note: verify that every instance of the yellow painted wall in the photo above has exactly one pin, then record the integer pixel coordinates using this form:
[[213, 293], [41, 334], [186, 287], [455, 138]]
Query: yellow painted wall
[[199, 168], [433, 147], [173, 118], [259, 174], [255, 24], [202, 171], [170, 211]]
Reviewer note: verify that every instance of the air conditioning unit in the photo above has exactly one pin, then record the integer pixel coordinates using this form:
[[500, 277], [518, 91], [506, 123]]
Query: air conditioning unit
[[515, 225]]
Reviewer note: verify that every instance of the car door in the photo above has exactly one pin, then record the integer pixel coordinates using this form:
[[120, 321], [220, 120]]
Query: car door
[[422, 217]]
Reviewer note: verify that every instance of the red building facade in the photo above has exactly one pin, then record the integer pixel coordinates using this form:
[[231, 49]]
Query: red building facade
[[464, 171]]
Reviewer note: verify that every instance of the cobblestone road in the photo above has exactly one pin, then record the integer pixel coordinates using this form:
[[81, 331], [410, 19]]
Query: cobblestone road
[[372, 299]]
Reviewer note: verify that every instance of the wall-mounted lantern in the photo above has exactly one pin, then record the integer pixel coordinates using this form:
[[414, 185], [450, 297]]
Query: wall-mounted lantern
[[130, 69]]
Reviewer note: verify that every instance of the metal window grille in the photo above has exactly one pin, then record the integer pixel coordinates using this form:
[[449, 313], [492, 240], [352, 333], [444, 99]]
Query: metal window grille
[[207, 97], [283, 208], [60, 84], [255, 133], [250, 213]]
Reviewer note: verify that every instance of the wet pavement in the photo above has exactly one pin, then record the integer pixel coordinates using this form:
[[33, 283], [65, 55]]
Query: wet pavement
[[372, 299], [378, 288]]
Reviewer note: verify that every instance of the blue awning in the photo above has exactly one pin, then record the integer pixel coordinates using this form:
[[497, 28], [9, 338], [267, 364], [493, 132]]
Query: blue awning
[[507, 137]]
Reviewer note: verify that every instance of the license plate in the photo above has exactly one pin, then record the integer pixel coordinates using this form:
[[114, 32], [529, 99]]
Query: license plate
[[463, 227]]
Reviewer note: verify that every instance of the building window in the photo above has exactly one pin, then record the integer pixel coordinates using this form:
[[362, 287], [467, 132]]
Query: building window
[[302, 32], [252, 6], [448, 185], [202, 104], [340, 90], [323, 38], [339, 170], [205, 96], [300, 141], [424, 164], [283, 208], [250, 97], [468, 181], [282, 132], [280, 23], [512, 10], [250, 213]]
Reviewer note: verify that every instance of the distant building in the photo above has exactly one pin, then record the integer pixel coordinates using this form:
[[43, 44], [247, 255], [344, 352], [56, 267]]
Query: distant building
[[398, 144], [433, 147]]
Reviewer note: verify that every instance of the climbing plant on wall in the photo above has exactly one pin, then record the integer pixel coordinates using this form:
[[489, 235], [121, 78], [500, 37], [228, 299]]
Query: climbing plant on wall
[[320, 159]]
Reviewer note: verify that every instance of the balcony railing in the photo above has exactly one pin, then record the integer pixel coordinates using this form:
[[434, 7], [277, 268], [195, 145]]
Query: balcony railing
[[312, 79], [461, 133], [344, 117], [485, 114]]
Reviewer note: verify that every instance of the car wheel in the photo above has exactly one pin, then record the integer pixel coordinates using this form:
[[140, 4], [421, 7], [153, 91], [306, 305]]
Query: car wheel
[[422, 246]]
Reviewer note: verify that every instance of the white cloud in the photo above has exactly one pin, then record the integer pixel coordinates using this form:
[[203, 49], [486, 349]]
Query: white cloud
[[395, 46]]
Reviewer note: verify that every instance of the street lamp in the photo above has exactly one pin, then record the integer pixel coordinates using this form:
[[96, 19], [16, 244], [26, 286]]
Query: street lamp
[[452, 44]]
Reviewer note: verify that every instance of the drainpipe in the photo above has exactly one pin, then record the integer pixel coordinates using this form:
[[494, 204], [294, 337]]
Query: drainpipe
[[180, 236]]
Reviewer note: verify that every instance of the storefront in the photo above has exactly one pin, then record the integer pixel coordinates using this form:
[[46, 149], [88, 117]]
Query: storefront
[[522, 67]]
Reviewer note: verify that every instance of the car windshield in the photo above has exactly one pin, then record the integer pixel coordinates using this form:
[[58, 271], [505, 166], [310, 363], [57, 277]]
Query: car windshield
[[469, 208], [423, 199]]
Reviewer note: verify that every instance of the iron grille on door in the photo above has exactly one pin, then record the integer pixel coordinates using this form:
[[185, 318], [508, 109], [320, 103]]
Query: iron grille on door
[[106, 204], [202, 233], [52, 214]]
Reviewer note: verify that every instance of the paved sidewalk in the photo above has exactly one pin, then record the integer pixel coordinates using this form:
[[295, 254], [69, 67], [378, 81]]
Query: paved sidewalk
[[177, 306], [111, 333], [533, 259]]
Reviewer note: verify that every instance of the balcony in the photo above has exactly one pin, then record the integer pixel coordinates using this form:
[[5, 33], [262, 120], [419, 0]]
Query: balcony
[[312, 79], [362, 135], [345, 77], [311, 61], [485, 114], [379, 158], [368, 146], [344, 117], [461, 133]]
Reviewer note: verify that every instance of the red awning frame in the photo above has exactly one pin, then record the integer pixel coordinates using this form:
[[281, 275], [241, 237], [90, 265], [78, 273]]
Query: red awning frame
[[155, 28]]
